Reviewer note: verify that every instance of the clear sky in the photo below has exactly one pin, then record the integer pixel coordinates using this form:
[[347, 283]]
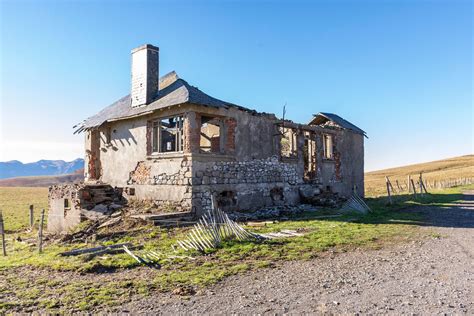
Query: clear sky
[[400, 70]]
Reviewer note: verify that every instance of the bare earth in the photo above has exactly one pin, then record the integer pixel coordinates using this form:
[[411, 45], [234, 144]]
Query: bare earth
[[433, 276]]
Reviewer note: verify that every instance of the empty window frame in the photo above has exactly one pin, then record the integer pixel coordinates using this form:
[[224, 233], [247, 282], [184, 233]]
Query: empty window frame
[[288, 145], [328, 146], [211, 131], [167, 135], [309, 155]]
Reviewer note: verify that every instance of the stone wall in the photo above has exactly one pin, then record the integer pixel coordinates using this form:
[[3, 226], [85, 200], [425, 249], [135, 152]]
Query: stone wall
[[245, 185], [167, 180], [69, 204]]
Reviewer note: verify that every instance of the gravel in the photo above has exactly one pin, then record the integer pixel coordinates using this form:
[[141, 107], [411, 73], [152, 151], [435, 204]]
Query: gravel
[[432, 276]]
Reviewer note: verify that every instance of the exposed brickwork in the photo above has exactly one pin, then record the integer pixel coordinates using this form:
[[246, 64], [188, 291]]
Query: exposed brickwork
[[141, 174], [215, 144], [192, 132], [230, 125]]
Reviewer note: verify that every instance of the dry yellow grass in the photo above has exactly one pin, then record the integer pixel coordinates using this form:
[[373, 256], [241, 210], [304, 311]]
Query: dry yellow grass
[[15, 203], [441, 170]]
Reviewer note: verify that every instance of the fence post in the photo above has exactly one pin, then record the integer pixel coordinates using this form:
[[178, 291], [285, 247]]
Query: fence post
[[399, 188], [40, 233], [421, 184], [387, 182], [2, 232], [413, 186], [32, 221], [409, 184]]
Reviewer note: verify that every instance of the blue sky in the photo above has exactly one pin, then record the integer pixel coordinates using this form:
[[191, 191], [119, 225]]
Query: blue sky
[[401, 70]]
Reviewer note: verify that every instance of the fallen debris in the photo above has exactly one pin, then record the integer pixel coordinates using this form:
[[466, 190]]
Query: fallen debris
[[282, 234], [101, 249], [356, 203], [143, 260], [212, 228], [110, 222], [259, 224]]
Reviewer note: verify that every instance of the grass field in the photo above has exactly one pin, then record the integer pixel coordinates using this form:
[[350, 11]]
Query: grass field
[[15, 203], [441, 170], [66, 290]]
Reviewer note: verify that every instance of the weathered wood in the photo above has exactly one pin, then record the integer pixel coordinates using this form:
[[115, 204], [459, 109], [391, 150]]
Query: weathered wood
[[40, 233], [131, 254], [32, 218], [2, 233], [413, 186], [399, 188], [387, 179], [422, 184], [387, 182], [409, 184], [81, 251]]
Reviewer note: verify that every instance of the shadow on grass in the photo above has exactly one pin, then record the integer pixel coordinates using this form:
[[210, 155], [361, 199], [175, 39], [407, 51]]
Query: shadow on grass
[[437, 210]]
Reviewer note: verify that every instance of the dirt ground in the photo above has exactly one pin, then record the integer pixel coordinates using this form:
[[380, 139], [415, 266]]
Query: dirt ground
[[433, 276]]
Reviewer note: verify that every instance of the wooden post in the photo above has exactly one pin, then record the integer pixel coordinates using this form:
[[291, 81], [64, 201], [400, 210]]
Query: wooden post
[[423, 187], [409, 184], [413, 186], [387, 182], [398, 186], [32, 220], [2, 232], [421, 184], [40, 233]]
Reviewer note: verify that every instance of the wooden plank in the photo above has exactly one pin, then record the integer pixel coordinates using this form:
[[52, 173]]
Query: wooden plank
[[81, 251]]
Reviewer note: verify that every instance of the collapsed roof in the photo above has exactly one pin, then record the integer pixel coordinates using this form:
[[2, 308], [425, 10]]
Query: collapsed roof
[[321, 118], [173, 91]]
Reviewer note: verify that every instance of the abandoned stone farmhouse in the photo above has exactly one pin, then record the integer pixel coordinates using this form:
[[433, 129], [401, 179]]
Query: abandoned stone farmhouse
[[171, 143]]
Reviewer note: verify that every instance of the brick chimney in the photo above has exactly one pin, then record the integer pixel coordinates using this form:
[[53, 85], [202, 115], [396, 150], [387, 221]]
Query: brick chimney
[[145, 74]]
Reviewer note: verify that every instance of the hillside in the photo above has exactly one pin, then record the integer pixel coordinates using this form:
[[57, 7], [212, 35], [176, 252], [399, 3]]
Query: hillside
[[15, 168], [42, 181], [440, 170]]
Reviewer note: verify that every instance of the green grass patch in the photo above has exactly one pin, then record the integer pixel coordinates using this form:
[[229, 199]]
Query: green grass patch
[[55, 292]]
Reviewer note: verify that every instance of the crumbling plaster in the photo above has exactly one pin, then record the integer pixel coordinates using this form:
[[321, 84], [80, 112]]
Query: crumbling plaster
[[251, 140]]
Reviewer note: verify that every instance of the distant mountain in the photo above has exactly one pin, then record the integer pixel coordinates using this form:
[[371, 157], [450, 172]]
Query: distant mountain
[[15, 168], [43, 181]]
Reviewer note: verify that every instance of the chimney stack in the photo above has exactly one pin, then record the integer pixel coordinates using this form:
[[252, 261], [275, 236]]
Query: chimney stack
[[145, 74]]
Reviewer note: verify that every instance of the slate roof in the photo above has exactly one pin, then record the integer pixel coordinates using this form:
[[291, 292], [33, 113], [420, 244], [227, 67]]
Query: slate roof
[[321, 118], [173, 91]]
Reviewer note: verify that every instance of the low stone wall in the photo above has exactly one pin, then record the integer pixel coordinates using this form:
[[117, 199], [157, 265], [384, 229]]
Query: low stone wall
[[245, 185], [69, 204], [253, 171]]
